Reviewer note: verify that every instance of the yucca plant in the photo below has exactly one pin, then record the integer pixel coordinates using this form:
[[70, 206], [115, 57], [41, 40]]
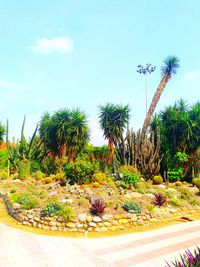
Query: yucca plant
[[188, 259], [97, 206], [160, 199]]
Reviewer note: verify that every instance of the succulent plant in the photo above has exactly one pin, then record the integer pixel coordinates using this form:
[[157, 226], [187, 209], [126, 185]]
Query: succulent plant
[[188, 259], [160, 199], [97, 206]]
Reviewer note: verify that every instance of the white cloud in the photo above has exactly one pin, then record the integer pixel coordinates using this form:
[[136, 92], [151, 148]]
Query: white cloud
[[192, 76], [58, 44]]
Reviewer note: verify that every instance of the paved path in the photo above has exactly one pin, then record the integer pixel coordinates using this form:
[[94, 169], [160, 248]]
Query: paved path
[[24, 249]]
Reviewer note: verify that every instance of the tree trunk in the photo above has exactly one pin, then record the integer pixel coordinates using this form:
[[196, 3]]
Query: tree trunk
[[154, 103]]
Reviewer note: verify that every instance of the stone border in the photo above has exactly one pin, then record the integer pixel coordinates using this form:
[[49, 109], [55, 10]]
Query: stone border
[[86, 222]]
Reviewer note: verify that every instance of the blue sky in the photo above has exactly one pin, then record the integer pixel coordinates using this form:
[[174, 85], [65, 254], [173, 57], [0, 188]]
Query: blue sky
[[57, 54]]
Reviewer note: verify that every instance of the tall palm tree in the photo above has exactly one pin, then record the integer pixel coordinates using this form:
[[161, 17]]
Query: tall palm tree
[[78, 133], [171, 64], [2, 132], [113, 120]]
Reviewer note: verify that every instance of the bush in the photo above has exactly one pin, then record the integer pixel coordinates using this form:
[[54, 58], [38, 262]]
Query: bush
[[175, 174], [131, 207], [99, 177], [79, 172], [130, 174], [67, 213], [47, 180], [28, 202], [52, 208], [157, 180], [38, 175], [96, 185], [59, 177], [4, 175], [187, 195]]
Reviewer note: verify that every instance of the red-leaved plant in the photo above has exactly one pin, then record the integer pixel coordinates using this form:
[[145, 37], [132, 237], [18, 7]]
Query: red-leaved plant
[[188, 259], [160, 200], [97, 206]]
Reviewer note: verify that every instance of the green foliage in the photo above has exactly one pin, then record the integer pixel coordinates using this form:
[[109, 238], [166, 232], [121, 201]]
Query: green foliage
[[3, 160], [99, 177], [175, 174], [24, 169], [79, 172], [4, 175], [38, 175], [175, 202], [150, 208], [25, 200], [52, 208], [131, 207], [67, 213], [187, 195], [130, 174], [157, 180]]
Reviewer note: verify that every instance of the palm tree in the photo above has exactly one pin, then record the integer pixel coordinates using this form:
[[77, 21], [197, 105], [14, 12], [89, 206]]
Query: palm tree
[[2, 132], [171, 64], [78, 133], [113, 119]]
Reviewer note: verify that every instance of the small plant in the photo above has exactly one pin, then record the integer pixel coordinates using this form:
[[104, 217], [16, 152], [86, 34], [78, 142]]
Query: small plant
[[130, 174], [120, 184], [96, 185], [157, 180], [67, 213], [178, 183], [99, 177], [196, 181], [175, 202], [131, 207], [46, 180], [28, 202], [175, 174], [188, 259], [160, 199], [12, 191], [97, 207], [38, 175], [52, 208], [4, 175], [150, 208]]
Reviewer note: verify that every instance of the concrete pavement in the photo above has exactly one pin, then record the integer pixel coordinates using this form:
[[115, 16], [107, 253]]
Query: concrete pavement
[[23, 249]]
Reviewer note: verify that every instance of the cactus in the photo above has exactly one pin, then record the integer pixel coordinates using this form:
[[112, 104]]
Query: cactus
[[143, 152]]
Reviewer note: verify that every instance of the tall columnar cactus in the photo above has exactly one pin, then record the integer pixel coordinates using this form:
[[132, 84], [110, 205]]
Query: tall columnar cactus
[[142, 152]]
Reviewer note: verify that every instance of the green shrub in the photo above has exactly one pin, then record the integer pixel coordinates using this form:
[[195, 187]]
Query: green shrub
[[175, 174], [52, 208], [59, 177], [67, 213], [131, 207], [175, 202], [99, 177], [28, 202], [128, 168], [79, 172], [38, 175], [187, 195], [96, 185], [47, 180], [131, 178], [121, 184], [24, 169], [157, 180], [4, 175], [150, 208]]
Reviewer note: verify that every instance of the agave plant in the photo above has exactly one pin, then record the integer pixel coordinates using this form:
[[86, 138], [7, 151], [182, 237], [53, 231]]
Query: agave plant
[[160, 199], [97, 206], [188, 259]]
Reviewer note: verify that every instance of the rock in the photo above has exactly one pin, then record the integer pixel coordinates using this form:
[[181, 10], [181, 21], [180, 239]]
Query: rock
[[100, 224], [107, 217], [53, 228], [82, 217], [128, 196], [140, 221], [92, 224], [89, 218], [115, 222], [100, 229], [96, 219], [16, 181], [123, 221], [71, 225], [172, 210], [136, 195], [79, 225], [37, 219], [15, 206], [134, 218], [162, 186], [114, 228], [52, 193], [65, 200], [45, 227], [107, 224], [150, 195], [52, 223]]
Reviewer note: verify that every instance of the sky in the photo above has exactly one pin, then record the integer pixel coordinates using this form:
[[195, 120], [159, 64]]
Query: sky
[[82, 53]]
